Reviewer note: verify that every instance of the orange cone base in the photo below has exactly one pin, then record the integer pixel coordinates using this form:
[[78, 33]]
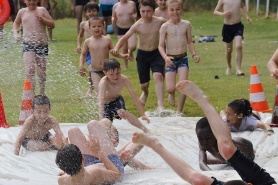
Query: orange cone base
[[260, 106]]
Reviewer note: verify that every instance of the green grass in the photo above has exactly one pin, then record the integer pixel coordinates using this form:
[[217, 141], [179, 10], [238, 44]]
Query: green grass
[[66, 88]]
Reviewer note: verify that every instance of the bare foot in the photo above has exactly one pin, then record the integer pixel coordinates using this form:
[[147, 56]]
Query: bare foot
[[228, 71], [143, 98], [143, 139], [171, 99], [239, 73]]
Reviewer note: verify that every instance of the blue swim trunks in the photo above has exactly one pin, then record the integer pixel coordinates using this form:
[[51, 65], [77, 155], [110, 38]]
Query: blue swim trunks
[[88, 58], [179, 61]]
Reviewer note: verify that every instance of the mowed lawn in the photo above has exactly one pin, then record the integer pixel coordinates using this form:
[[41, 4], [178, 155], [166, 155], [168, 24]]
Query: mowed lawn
[[66, 88]]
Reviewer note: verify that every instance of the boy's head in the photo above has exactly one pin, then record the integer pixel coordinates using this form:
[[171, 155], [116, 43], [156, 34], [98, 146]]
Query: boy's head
[[31, 4], [146, 8], [69, 159], [91, 9], [96, 25], [204, 134], [112, 69], [41, 108], [40, 100], [179, 2], [162, 4]]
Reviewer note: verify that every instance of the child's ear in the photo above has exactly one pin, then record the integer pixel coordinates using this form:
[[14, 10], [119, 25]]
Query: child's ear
[[240, 115], [105, 73]]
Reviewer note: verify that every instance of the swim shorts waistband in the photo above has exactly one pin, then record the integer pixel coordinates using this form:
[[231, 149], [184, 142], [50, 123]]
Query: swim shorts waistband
[[178, 56], [233, 24]]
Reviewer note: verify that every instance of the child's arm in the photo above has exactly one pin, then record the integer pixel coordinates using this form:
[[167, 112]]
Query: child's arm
[[244, 11], [22, 135], [272, 65], [203, 160], [45, 18], [136, 100], [59, 138], [16, 25], [191, 46], [82, 58], [217, 10], [117, 54], [114, 15], [80, 36], [53, 6], [101, 91], [162, 38], [104, 29], [265, 127]]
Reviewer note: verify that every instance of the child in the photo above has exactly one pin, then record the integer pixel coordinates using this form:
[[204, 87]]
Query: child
[[111, 103], [272, 65], [35, 135], [123, 15], [239, 117], [148, 57], [176, 33], [91, 10], [34, 21], [208, 142], [99, 46], [232, 29], [161, 10], [248, 170], [78, 6], [46, 5]]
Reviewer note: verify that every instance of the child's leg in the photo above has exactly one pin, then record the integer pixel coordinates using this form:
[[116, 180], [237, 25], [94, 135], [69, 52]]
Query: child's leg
[[79, 15], [41, 70], [145, 93], [183, 75], [238, 40], [95, 79], [171, 86], [131, 46], [229, 49], [90, 89], [183, 169], [159, 89], [124, 51], [29, 60], [219, 128]]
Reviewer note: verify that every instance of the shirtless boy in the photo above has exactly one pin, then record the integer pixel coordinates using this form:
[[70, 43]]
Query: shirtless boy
[[248, 170], [34, 134], [99, 46], [124, 15], [232, 29], [111, 103], [161, 10], [272, 65], [34, 21], [148, 57], [208, 143], [176, 33], [46, 5]]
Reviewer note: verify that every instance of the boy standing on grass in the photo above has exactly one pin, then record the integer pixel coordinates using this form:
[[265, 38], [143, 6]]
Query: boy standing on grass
[[111, 103], [124, 14], [232, 29], [34, 134], [161, 10], [34, 21], [99, 46], [176, 33], [91, 10], [148, 57]]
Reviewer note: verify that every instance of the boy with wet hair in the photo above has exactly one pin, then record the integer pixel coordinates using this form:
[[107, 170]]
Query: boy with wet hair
[[148, 57], [34, 134], [111, 103], [208, 143], [161, 10]]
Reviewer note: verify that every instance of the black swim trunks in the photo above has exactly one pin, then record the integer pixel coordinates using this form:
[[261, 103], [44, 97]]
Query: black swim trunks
[[40, 50], [45, 139], [122, 31], [111, 108], [81, 2], [249, 171], [230, 31], [147, 60], [12, 7]]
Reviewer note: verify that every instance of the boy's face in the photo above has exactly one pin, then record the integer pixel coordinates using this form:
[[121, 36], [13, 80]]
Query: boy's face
[[41, 113], [91, 13], [175, 10], [31, 4], [113, 76], [146, 12], [161, 4], [206, 138], [96, 27]]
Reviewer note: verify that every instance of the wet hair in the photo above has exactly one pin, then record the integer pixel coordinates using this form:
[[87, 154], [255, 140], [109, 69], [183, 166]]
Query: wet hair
[[235, 182], [150, 3], [69, 159], [202, 124], [111, 64], [90, 6], [241, 106], [40, 100], [174, 1], [96, 18]]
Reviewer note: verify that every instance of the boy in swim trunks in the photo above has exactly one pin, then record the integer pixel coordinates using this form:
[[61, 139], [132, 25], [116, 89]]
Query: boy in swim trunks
[[111, 103], [176, 33], [232, 29], [148, 57], [34, 134], [123, 15], [99, 46], [208, 143], [248, 170], [34, 21], [46, 4]]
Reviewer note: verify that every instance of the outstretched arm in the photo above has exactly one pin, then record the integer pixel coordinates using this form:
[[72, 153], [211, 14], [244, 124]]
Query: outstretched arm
[[265, 127], [203, 160]]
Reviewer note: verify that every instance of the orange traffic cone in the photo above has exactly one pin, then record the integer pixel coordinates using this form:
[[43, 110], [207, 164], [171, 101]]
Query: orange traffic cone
[[26, 106], [257, 96], [3, 122], [274, 120]]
